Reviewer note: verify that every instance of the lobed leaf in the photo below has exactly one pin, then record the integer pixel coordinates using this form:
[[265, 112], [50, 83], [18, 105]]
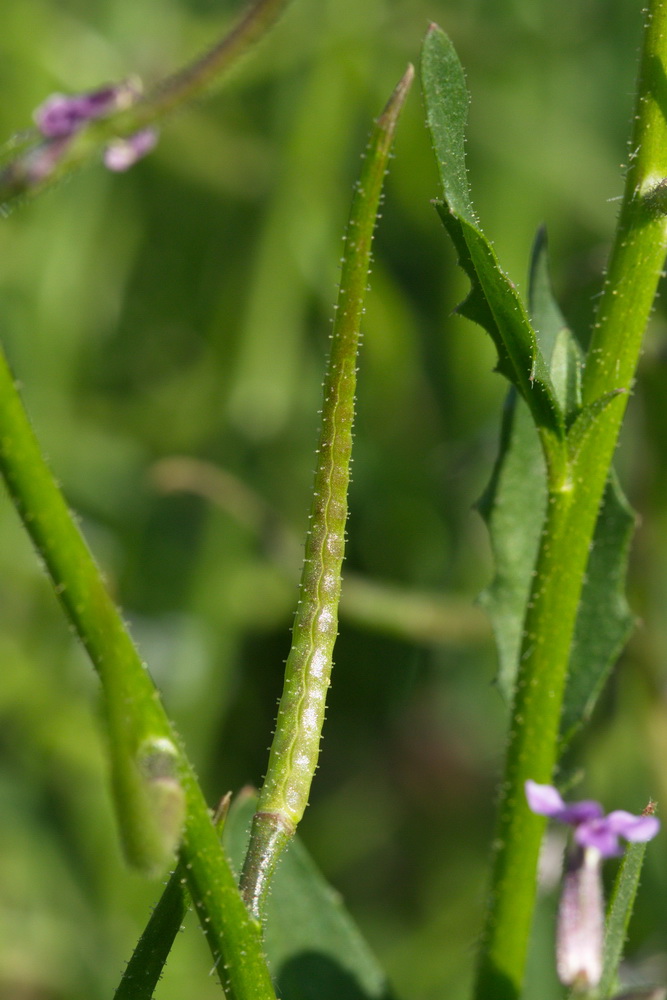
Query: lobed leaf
[[493, 302], [513, 509], [604, 618]]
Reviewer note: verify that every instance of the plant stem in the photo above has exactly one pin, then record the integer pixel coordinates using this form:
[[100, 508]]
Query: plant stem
[[636, 261], [295, 747], [145, 967], [153, 782], [191, 81]]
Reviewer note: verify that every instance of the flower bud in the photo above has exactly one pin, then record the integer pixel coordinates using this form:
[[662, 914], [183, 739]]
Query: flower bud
[[581, 921]]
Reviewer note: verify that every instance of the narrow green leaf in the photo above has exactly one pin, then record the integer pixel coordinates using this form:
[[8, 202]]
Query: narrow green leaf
[[314, 948], [556, 340], [296, 742], [566, 368], [545, 312], [619, 911], [493, 301]]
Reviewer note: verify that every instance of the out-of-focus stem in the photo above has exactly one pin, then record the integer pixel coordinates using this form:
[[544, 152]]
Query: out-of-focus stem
[[158, 798]]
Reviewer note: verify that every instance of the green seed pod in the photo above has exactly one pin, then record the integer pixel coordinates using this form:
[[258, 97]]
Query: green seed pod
[[295, 748]]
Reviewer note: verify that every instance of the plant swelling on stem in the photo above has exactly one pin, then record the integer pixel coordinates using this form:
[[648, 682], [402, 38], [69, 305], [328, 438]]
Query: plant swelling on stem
[[157, 795]]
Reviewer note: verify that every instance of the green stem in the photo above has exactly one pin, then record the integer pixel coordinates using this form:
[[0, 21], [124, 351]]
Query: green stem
[[146, 965], [191, 81], [157, 795], [635, 264], [619, 912], [295, 748], [141, 739]]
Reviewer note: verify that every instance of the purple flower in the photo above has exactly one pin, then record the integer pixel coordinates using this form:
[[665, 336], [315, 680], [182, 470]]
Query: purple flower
[[61, 116], [121, 154], [591, 827], [580, 932]]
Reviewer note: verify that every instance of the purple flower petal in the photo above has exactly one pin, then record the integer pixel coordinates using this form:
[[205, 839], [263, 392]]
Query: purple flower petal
[[598, 834], [546, 801], [543, 799], [123, 153], [580, 812], [634, 828], [62, 114]]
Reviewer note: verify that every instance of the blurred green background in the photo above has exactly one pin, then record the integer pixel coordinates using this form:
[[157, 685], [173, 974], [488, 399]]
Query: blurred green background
[[169, 328]]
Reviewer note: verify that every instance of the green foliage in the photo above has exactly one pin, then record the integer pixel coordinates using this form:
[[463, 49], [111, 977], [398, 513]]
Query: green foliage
[[543, 628], [180, 311], [621, 905], [157, 797], [513, 507], [493, 301], [604, 619]]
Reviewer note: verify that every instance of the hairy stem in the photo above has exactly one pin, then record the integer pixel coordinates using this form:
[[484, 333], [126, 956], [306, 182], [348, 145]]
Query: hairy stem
[[635, 264], [158, 799]]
